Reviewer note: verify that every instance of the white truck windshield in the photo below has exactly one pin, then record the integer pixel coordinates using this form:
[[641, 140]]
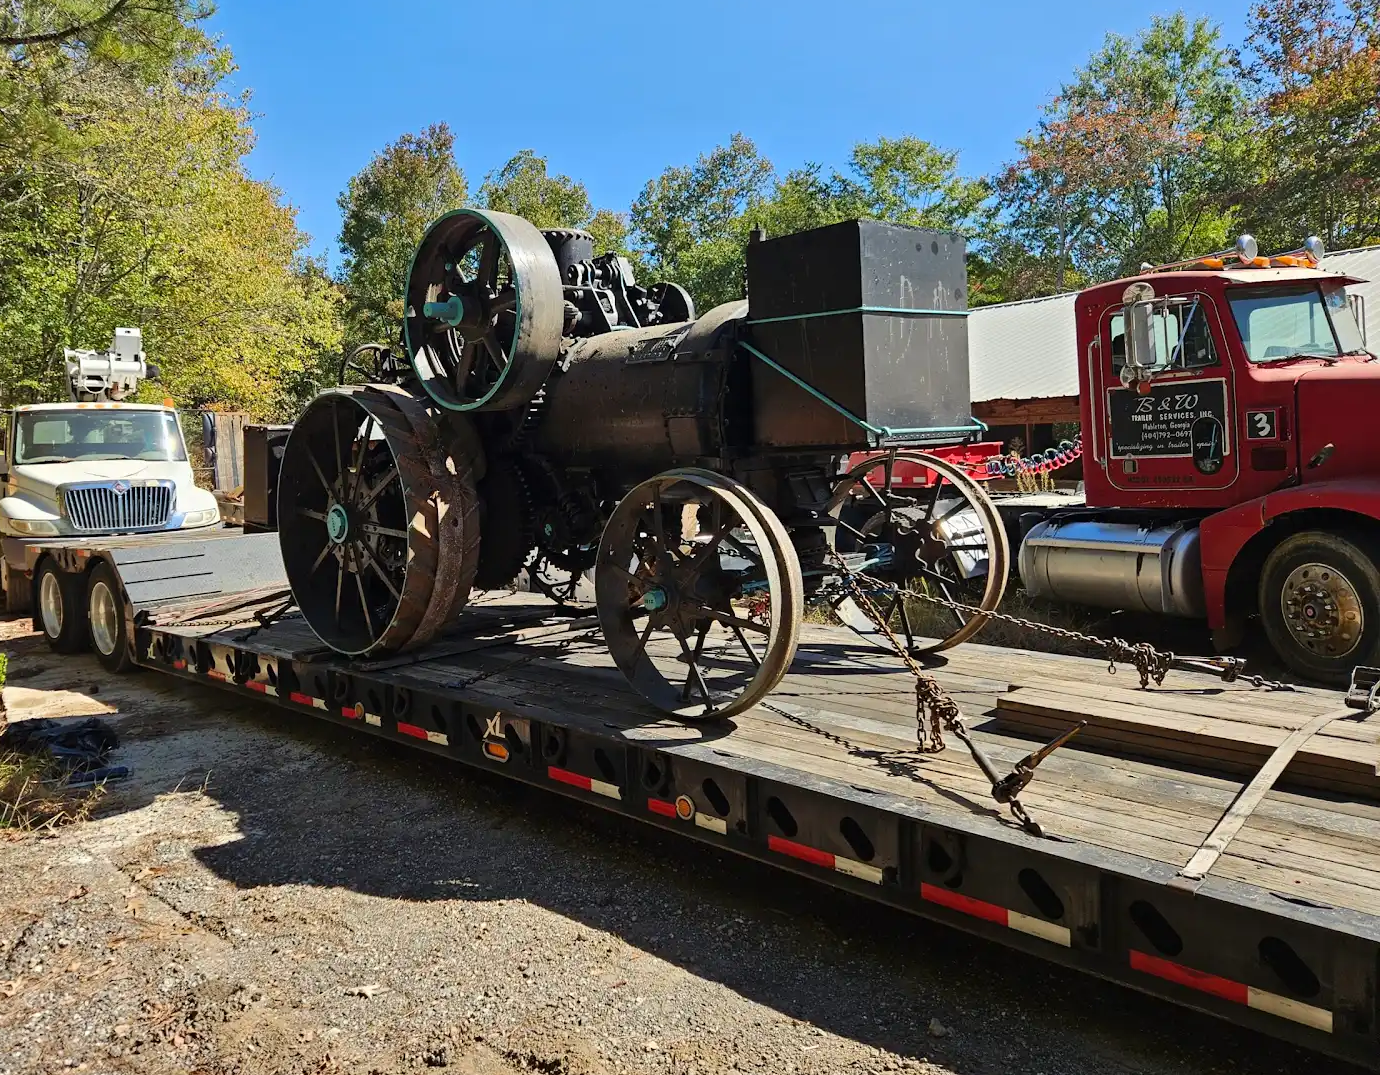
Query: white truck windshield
[[57, 436], [1298, 322]]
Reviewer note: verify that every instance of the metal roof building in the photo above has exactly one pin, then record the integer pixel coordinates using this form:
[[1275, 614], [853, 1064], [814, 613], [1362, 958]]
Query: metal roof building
[[1023, 356]]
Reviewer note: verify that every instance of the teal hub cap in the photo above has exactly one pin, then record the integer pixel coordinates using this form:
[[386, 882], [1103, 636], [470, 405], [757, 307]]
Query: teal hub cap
[[452, 311], [337, 523], [654, 600]]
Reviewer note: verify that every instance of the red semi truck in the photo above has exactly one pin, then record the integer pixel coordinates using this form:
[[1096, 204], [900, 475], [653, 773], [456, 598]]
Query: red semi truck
[[1231, 436]]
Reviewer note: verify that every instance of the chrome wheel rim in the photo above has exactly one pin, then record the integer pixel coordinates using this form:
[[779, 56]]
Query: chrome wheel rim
[[50, 601], [1322, 610], [105, 623]]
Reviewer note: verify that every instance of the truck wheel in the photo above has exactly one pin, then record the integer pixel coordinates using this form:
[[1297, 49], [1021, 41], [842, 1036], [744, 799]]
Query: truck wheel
[[60, 613], [105, 611], [1320, 603]]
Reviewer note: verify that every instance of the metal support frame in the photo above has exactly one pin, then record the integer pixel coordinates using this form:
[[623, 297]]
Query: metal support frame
[[1287, 968]]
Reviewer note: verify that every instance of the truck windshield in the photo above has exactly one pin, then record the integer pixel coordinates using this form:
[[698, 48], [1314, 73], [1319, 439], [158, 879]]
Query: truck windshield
[[1297, 322], [67, 436]]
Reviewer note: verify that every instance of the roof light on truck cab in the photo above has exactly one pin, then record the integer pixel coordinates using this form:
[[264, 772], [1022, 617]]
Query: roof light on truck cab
[[1246, 255], [1308, 256], [1246, 252]]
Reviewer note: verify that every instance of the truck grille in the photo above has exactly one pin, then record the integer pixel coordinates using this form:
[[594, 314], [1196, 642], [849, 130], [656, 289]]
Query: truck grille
[[119, 505]]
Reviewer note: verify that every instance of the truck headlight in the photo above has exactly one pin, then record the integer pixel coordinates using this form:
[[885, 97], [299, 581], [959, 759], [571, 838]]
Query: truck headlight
[[34, 527], [201, 518]]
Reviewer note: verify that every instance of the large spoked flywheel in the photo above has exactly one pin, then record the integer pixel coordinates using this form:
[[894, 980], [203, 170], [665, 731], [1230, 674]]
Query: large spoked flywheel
[[914, 522], [699, 594], [483, 310], [377, 521]]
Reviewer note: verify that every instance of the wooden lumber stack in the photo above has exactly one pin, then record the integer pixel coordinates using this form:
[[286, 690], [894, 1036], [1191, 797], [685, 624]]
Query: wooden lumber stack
[[1229, 731]]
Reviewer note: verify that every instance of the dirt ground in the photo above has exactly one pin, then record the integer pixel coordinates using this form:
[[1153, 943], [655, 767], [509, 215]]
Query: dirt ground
[[267, 894]]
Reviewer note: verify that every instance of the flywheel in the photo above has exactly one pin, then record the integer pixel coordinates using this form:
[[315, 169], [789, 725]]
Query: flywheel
[[483, 311], [377, 521]]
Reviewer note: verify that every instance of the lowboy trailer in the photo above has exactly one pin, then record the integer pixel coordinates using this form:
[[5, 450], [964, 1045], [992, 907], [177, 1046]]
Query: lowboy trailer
[[822, 779]]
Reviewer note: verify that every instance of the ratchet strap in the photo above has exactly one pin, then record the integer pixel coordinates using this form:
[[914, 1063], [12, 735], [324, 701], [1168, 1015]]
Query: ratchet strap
[[1246, 801]]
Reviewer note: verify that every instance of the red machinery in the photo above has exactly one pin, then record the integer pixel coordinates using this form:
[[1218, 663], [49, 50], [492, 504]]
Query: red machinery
[[1231, 468]]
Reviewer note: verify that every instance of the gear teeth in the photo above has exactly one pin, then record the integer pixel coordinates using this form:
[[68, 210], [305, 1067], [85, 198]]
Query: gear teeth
[[510, 524]]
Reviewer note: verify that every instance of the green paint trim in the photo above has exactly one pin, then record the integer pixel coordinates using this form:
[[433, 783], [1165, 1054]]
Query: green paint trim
[[451, 405], [893, 310]]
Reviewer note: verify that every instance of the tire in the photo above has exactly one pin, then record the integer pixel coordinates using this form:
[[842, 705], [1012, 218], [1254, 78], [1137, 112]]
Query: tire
[[60, 608], [105, 617], [1320, 604]]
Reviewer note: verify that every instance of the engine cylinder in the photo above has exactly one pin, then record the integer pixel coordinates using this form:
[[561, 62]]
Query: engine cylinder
[[1115, 565]]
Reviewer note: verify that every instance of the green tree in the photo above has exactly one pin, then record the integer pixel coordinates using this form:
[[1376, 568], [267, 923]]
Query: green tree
[[60, 60], [385, 210], [1131, 161], [160, 226], [1315, 65], [694, 223], [687, 223], [525, 186], [127, 203]]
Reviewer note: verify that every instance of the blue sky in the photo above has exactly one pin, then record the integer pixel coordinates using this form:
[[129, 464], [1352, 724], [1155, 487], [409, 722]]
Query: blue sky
[[613, 92]]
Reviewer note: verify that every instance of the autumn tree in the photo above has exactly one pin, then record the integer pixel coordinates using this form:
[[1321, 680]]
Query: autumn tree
[[1130, 162], [1315, 66], [385, 210]]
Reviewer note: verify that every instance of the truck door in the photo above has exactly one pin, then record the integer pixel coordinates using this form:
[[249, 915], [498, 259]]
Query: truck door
[[1178, 436]]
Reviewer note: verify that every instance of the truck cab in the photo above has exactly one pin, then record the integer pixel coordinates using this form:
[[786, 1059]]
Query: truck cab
[[1231, 467], [93, 466]]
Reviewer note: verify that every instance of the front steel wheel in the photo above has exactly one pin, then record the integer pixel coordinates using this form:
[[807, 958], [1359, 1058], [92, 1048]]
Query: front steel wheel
[[699, 594], [1320, 604]]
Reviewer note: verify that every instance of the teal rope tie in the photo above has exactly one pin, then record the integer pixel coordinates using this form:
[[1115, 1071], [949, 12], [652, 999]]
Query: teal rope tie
[[876, 431]]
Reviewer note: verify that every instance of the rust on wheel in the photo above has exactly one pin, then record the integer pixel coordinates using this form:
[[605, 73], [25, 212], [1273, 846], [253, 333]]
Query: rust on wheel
[[456, 506], [683, 559], [359, 521]]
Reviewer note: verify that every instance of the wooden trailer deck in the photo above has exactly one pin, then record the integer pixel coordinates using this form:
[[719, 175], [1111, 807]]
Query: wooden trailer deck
[[846, 711], [824, 779]]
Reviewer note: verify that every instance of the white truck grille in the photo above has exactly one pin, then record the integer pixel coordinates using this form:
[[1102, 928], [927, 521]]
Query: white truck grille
[[118, 505]]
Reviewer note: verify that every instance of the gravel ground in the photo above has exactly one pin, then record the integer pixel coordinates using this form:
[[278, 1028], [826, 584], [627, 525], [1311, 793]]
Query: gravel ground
[[268, 894]]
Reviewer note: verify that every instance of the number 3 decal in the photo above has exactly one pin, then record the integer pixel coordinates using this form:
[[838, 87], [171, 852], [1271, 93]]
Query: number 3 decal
[[1262, 425]]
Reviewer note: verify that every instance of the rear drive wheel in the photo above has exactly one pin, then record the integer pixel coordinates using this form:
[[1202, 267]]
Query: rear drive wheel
[[105, 612], [60, 613], [1320, 604]]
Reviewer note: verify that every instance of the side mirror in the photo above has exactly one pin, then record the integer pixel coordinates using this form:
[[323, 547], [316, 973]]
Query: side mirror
[[1142, 351]]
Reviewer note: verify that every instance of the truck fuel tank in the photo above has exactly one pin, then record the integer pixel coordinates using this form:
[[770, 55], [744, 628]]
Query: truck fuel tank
[[1115, 565]]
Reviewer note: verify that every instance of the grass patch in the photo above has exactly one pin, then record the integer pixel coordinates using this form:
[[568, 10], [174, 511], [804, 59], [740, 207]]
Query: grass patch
[[33, 799], [32, 795], [934, 621]]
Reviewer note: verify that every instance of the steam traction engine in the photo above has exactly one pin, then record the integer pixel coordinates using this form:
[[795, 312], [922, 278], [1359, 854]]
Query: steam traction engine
[[554, 414]]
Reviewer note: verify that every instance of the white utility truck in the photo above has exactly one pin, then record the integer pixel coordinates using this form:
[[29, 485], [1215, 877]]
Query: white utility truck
[[94, 466]]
